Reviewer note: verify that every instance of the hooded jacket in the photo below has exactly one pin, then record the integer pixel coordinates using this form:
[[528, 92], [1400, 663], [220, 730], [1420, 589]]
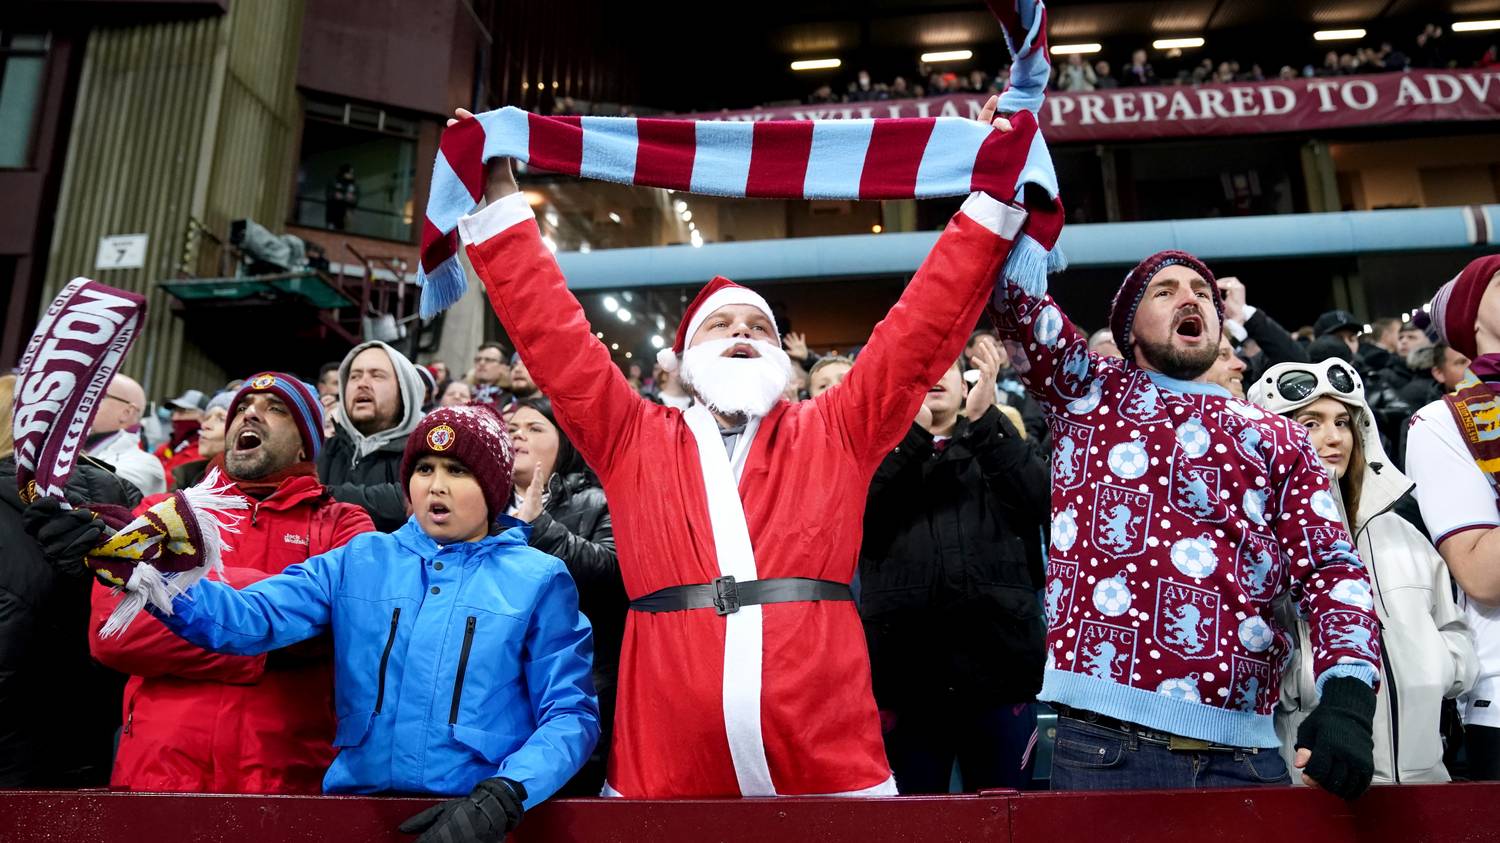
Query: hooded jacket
[[57, 708], [366, 470], [452, 663], [1428, 652], [196, 721]]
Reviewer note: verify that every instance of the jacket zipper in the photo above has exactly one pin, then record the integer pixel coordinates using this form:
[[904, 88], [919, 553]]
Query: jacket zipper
[[1393, 702], [385, 658], [463, 666]]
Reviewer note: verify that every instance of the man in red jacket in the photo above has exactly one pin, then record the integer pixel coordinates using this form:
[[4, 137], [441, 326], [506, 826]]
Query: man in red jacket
[[204, 722]]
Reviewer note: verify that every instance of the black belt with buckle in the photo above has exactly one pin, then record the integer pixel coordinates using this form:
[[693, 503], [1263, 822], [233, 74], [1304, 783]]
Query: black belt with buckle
[[725, 596], [1176, 743]]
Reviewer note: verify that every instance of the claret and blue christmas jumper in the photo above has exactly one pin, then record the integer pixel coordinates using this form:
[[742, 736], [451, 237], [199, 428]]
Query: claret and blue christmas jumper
[[1179, 515]]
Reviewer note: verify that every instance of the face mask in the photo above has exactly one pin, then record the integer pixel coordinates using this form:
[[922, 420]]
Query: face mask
[[183, 428]]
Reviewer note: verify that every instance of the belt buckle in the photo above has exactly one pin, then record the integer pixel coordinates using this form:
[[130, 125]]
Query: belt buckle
[[726, 596], [1178, 743]]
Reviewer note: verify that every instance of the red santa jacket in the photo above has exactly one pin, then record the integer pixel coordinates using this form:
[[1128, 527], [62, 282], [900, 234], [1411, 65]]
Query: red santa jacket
[[204, 722], [772, 699]]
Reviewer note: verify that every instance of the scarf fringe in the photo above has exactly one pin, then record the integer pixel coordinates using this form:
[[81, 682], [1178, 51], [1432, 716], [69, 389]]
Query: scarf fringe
[[213, 505], [1030, 263], [442, 288], [146, 585]]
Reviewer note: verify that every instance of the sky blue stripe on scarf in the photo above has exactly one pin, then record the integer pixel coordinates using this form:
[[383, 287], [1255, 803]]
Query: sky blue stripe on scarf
[[609, 146], [837, 158], [948, 162], [721, 166], [449, 198], [1039, 169], [507, 131]]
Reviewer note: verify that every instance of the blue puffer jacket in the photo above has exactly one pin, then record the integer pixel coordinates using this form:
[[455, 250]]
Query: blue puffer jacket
[[452, 664]]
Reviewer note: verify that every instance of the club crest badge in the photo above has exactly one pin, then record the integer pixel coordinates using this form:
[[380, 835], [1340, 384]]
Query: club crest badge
[[1187, 620], [441, 438], [1119, 521], [263, 382]]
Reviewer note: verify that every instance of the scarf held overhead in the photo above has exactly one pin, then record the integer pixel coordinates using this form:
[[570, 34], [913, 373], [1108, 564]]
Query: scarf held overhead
[[868, 159], [72, 357]]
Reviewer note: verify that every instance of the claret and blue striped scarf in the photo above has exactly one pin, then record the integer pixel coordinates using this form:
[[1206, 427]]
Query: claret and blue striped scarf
[[867, 159]]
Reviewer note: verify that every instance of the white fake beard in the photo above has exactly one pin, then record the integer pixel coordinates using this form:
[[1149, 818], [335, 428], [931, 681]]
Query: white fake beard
[[736, 386]]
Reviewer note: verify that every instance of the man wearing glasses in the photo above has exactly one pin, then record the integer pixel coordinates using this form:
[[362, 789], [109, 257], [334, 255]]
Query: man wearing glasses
[[116, 437], [491, 376]]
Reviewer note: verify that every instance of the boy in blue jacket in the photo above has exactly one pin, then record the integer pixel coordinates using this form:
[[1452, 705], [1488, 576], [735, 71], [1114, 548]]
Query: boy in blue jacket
[[461, 660]]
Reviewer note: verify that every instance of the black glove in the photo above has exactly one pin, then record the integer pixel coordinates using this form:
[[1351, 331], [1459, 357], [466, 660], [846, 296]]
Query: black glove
[[491, 811], [65, 535], [1338, 733]]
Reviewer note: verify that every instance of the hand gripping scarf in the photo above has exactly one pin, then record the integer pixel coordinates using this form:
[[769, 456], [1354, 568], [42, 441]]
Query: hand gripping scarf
[[870, 159], [169, 547]]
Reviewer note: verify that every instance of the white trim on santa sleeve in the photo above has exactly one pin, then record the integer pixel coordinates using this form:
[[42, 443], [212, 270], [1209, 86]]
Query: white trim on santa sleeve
[[1004, 220], [743, 629], [494, 218]]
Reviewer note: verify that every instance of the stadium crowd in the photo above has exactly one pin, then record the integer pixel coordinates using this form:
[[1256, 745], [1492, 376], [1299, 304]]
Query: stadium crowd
[[1196, 536]]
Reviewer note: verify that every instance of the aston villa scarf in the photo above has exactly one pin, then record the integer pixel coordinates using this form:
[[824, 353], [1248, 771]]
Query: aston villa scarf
[[814, 159], [72, 357], [1476, 410]]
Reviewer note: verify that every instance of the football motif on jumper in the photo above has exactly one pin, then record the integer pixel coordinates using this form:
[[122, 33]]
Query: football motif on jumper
[[1185, 689], [1195, 557], [1111, 597], [1256, 634], [1193, 438], [1353, 593], [1323, 505], [1128, 460], [1048, 326], [1064, 529]]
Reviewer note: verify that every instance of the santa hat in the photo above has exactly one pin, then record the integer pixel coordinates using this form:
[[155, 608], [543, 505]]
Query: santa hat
[[717, 293], [1455, 309]]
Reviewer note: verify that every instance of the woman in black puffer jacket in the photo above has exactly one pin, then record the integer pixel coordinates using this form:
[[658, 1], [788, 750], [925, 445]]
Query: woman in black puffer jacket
[[561, 498], [58, 708]]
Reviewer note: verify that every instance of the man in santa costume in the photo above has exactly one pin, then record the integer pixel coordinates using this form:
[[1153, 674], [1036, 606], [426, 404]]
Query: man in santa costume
[[744, 669]]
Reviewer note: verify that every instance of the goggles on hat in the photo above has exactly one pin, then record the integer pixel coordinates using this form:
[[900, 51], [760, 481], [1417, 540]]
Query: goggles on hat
[[1286, 386]]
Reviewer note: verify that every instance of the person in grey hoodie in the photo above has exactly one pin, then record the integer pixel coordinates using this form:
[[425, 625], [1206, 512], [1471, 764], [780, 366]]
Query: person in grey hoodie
[[381, 394]]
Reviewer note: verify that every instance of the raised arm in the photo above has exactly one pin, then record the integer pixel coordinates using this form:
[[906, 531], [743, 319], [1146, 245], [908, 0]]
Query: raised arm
[[595, 404], [924, 333]]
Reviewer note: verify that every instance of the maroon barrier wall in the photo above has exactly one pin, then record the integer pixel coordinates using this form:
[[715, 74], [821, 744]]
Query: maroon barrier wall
[[1409, 814]]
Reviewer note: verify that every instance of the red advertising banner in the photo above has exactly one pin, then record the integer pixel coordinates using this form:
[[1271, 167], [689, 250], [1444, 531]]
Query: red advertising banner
[[1247, 108]]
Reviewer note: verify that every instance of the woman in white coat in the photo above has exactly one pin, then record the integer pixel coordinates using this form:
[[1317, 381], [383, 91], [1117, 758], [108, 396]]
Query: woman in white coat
[[1429, 654]]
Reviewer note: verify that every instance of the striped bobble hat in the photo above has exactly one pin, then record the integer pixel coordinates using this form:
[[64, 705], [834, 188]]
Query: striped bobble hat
[[299, 397]]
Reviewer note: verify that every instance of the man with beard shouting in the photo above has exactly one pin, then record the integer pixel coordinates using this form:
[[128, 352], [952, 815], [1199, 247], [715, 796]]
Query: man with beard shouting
[[744, 670], [1179, 515]]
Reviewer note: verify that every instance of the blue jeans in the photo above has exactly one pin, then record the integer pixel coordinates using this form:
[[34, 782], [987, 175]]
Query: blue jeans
[[1091, 756]]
